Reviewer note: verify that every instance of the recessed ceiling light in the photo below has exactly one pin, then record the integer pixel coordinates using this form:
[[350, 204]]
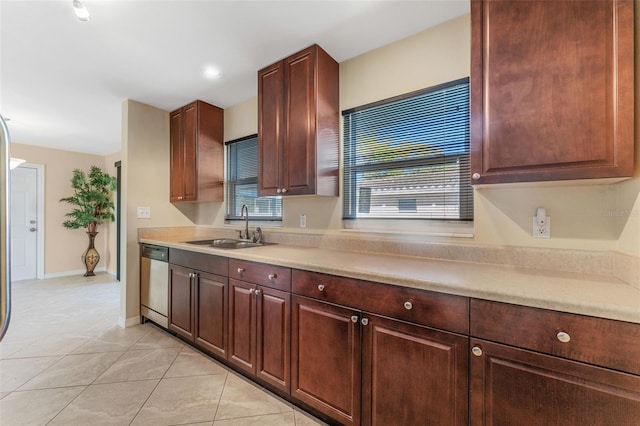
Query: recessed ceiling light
[[211, 72], [81, 12]]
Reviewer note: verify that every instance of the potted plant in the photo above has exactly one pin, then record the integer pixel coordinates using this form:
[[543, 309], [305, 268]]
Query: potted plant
[[92, 200]]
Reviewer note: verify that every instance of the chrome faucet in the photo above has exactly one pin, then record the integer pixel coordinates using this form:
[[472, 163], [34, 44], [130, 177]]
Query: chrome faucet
[[245, 210], [257, 234]]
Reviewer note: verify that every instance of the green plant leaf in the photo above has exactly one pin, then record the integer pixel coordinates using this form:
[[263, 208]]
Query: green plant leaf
[[92, 198]]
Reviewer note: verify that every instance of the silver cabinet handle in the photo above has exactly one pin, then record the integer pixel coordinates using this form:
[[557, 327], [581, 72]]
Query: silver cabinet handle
[[320, 287], [563, 337], [190, 274], [251, 291], [477, 351], [475, 176], [33, 229], [284, 190], [240, 270], [258, 292], [364, 321], [278, 190], [408, 305], [272, 276], [354, 318]]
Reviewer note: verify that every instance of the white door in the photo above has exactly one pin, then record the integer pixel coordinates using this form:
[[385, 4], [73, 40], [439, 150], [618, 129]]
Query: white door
[[24, 228]]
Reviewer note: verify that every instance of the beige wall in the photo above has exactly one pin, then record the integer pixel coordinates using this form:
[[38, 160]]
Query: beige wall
[[145, 183], [581, 214], [58, 169], [503, 213], [628, 202], [111, 261]]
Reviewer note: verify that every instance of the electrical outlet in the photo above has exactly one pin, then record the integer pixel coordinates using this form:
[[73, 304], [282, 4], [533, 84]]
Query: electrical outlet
[[541, 231], [143, 213], [303, 221]]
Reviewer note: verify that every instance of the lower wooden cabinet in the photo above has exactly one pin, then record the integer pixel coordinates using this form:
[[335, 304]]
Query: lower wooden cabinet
[[364, 353], [198, 306], [181, 298], [273, 335], [360, 368], [211, 313], [259, 332], [541, 367], [511, 386], [325, 361], [413, 375]]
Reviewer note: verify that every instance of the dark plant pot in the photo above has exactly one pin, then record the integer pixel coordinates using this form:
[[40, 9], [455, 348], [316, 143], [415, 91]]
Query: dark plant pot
[[91, 257]]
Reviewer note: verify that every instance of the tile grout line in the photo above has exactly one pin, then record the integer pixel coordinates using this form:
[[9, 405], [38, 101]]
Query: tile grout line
[[86, 386], [215, 414], [157, 384]]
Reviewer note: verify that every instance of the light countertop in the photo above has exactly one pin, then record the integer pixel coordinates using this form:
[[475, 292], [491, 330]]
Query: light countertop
[[596, 295]]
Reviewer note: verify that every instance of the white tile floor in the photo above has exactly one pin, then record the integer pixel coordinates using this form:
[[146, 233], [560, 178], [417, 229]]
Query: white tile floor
[[65, 361]]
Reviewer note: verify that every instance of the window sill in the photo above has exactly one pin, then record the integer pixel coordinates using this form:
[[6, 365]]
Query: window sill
[[411, 227]]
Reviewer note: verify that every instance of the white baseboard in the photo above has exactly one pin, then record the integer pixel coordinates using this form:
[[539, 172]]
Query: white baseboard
[[129, 322], [69, 273]]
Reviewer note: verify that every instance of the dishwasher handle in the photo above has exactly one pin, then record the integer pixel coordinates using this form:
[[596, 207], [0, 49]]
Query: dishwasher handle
[[155, 252]]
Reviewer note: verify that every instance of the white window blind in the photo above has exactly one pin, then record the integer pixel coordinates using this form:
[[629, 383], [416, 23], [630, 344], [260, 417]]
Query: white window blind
[[242, 183], [408, 157]]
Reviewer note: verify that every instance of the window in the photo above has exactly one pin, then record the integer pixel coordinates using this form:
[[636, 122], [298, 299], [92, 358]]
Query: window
[[242, 183], [408, 157]]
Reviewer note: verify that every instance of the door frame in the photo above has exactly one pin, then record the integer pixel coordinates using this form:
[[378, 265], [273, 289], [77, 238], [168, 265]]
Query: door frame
[[39, 216]]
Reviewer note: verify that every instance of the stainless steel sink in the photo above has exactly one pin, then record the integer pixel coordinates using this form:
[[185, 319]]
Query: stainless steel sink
[[226, 243]]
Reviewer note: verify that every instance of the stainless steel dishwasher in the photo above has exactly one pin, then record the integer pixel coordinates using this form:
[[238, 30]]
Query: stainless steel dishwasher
[[154, 284]]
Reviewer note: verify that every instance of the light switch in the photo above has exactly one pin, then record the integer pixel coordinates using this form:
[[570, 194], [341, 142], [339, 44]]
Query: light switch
[[144, 213]]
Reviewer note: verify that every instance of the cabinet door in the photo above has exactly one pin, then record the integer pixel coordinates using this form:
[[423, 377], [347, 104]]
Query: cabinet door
[[413, 374], [325, 361], [181, 302], [211, 317], [552, 85], [242, 325], [512, 386], [273, 363], [190, 171], [300, 122], [176, 165], [270, 129]]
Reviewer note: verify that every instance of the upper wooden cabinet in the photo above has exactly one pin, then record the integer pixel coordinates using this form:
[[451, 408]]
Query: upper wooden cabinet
[[197, 153], [552, 90], [298, 125]]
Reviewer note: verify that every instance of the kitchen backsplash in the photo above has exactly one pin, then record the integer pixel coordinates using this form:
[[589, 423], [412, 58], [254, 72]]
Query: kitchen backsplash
[[621, 266]]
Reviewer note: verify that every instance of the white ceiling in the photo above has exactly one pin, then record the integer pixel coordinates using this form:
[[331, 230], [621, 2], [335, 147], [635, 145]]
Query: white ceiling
[[62, 81]]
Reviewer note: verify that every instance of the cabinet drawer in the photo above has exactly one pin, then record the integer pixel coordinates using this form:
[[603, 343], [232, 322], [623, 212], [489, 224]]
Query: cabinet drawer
[[433, 309], [202, 262], [609, 343], [278, 277]]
